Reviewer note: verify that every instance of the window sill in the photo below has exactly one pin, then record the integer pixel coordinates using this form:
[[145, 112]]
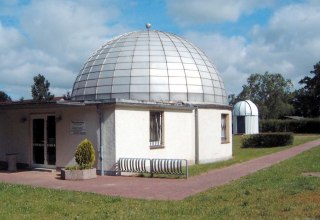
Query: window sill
[[156, 147], [225, 142]]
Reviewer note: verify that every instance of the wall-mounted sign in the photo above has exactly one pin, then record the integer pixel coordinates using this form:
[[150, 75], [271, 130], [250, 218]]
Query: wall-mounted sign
[[78, 127]]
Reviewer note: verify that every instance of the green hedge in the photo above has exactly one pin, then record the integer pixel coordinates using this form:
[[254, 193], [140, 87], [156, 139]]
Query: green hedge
[[267, 140], [296, 126]]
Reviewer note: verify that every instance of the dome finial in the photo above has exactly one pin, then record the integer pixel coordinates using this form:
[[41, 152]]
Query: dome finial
[[148, 25]]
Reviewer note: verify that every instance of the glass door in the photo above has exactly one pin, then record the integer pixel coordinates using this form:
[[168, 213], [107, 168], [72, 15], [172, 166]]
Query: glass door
[[44, 141], [38, 140], [51, 140]]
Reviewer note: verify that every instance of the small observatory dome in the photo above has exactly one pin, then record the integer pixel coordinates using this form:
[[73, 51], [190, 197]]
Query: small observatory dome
[[244, 108], [149, 65], [245, 118]]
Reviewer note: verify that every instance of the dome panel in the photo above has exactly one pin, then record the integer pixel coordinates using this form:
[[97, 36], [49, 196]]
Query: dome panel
[[149, 66], [244, 108]]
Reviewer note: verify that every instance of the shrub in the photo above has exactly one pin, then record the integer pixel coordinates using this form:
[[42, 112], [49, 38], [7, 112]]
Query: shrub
[[72, 168], [85, 155], [267, 140], [296, 126]]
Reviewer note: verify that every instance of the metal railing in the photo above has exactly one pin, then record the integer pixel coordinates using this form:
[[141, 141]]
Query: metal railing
[[154, 166]]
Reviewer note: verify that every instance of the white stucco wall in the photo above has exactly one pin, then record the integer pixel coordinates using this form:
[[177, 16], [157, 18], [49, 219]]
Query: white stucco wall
[[211, 148], [66, 142], [16, 136], [125, 133], [132, 134]]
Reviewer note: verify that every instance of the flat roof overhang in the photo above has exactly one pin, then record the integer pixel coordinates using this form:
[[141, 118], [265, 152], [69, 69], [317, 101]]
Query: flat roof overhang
[[112, 102]]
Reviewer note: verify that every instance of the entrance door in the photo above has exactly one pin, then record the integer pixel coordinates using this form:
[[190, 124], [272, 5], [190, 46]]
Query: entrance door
[[241, 125], [44, 141]]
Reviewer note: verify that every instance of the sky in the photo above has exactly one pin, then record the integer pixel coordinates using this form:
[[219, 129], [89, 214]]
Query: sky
[[241, 37]]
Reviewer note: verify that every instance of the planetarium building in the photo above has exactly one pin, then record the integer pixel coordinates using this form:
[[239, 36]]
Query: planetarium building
[[144, 94]]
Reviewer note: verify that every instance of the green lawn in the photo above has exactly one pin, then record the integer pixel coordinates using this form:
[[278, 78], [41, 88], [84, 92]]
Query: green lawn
[[280, 192], [244, 154]]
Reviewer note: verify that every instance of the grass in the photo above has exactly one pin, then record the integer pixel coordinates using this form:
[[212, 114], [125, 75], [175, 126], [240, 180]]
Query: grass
[[280, 192], [245, 154]]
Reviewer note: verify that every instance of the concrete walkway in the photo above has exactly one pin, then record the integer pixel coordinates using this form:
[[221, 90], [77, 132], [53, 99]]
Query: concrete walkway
[[154, 188]]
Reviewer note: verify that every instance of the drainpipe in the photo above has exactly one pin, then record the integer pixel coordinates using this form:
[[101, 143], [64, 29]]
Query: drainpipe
[[196, 134], [98, 106]]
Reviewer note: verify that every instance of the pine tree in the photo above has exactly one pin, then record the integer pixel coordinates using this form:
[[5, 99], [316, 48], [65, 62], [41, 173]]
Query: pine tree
[[4, 97], [40, 89]]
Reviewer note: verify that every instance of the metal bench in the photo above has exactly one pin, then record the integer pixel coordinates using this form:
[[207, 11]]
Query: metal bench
[[154, 166]]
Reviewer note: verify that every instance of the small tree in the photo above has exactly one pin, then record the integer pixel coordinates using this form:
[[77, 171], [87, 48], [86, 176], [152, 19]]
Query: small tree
[[4, 97], [85, 155], [40, 89], [67, 96]]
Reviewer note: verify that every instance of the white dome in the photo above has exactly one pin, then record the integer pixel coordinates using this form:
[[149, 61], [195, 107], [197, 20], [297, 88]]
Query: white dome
[[149, 65], [244, 108]]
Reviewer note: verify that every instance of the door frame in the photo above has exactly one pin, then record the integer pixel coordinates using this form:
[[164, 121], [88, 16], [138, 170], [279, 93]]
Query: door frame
[[45, 165]]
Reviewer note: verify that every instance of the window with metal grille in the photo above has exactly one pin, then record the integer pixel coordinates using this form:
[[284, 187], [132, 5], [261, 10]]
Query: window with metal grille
[[224, 121], [156, 128]]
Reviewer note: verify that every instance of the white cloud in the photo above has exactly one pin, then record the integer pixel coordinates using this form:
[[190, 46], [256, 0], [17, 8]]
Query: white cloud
[[9, 38], [211, 11], [292, 39], [288, 44], [65, 28], [226, 54], [54, 38]]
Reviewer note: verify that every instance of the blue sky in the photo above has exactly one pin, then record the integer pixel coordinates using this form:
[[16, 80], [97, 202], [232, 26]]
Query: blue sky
[[241, 37]]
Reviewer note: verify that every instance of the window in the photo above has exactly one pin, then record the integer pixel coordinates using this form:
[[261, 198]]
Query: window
[[224, 128], [156, 128]]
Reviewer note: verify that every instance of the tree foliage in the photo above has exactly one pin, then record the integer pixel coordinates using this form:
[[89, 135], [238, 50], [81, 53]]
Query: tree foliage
[[4, 97], [67, 96], [306, 100], [40, 89], [233, 99], [270, 92]]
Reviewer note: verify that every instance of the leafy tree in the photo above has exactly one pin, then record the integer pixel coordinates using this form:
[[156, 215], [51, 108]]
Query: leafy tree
[[40, 89], [4, 97], [233, 99], [306, 100], [270, 92]]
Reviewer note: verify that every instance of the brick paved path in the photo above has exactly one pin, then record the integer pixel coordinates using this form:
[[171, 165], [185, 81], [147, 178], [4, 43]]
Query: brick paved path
[[155, 188]]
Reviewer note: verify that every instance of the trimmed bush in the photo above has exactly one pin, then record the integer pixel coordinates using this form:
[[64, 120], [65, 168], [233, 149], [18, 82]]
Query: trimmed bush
[[267, 140], [296, 126], [85, 155]]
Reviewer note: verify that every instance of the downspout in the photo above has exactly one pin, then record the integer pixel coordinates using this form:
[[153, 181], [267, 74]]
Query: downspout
[[100, 139], [196, 134]]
